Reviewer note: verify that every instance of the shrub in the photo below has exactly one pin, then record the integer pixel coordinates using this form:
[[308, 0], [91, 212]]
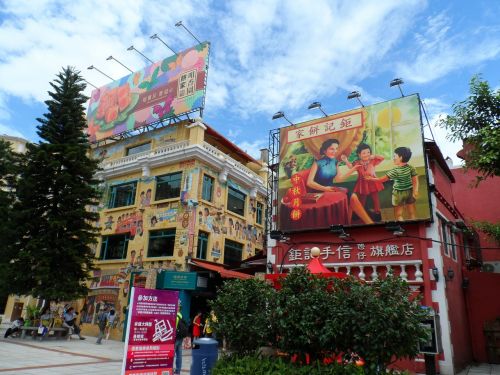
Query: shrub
[[243, 314], [379, 322], [255, 365], [301, 315], [312, 318]]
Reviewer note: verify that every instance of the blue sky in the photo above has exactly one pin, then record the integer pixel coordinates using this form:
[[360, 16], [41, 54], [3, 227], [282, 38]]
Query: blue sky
[[267, 55]]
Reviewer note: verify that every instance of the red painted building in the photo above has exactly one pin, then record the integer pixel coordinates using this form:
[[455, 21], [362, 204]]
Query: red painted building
[[439, 258], [479, 203]]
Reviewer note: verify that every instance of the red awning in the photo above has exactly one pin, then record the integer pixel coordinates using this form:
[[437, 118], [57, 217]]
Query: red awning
[[228, 274]]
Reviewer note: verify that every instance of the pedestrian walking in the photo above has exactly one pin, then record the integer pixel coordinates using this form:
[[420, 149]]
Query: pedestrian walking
[[111, 320], [102, 319]]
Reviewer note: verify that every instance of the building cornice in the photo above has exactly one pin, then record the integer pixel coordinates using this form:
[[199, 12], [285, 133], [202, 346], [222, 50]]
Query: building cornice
[[181, 151]]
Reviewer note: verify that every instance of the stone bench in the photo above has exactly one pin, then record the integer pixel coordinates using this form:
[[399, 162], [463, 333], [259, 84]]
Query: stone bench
[[55, 332]]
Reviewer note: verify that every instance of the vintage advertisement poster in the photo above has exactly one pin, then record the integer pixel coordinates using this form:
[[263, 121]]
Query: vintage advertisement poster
[[359, 167], [150, 340], [167, 88]]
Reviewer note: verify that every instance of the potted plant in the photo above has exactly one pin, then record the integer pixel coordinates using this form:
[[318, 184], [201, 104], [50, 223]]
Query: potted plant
[[32, 315]]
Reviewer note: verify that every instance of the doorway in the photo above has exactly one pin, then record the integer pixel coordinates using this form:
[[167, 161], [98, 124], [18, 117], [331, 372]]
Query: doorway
[[17, 311]]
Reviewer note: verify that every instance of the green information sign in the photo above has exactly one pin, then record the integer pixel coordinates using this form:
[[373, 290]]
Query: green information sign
[[177, 280]]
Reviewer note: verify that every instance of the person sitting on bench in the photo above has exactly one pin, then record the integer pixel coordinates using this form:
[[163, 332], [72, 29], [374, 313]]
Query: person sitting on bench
[[18, 323], [70, 323]]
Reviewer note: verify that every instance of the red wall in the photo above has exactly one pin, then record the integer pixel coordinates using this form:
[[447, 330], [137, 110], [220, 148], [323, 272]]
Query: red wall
[[457, 308], [478, 203], [483, 299]]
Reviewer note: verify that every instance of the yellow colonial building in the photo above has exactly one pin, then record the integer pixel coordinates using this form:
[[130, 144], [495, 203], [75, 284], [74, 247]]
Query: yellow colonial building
[[180, 205]]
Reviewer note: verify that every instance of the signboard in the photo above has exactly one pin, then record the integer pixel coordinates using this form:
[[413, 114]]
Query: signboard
[[359, 167], [167, 88], [432, 345], [177, 280], [150, 340], [385, 252]]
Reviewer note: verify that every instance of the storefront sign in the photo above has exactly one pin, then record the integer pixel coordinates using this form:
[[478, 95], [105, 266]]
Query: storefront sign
[[355, 252], [181, 280], [150, 340]]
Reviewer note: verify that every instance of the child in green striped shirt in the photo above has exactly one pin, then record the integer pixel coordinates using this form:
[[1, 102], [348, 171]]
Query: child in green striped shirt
[[405, 188]]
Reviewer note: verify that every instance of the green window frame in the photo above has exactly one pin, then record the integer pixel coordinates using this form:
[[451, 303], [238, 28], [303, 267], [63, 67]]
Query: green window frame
[[236, 201], [168, 186], [122, 195], [208, 188], [201, 252], [233, 252], [138, 149], [114, 247], [258, 213], [161, 243]]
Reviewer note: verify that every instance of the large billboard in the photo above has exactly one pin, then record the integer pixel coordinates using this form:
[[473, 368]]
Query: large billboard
[[167, 88], [359, 167]]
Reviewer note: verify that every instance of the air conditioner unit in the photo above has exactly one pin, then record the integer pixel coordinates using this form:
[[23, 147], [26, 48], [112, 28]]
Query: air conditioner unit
[[491, 267]]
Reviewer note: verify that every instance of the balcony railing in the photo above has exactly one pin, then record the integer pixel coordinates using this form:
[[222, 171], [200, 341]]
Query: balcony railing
[[408, 270], [129, 161], [234, 164]]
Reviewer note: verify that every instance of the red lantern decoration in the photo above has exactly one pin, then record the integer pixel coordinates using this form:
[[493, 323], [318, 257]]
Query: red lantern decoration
[[296, 191], [296, 179], [296, 214], [296, 202]]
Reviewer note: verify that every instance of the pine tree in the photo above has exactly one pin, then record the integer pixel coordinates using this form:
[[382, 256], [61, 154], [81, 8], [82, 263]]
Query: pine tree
[[9, 167], [56, 187]]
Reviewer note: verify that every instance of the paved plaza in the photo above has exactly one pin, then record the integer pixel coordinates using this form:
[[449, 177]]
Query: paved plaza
[[58, 357], [62, 357]]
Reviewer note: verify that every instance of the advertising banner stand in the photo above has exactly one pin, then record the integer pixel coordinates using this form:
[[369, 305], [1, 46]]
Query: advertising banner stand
[[150, 339]]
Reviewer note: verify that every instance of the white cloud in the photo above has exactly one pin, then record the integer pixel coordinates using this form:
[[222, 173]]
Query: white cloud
[[315, 48], [6, 130], [435, 106], [233, 133], [38, 38], [439, 135], [253, 148], [439, 51], [4, 111], [436, 110]]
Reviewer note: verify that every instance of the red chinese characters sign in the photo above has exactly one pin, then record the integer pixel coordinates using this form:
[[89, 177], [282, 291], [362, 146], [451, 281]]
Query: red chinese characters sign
[[149, 344], [397, 250]]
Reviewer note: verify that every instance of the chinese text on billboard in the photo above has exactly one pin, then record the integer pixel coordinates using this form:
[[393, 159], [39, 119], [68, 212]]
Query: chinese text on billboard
[[358, 167]]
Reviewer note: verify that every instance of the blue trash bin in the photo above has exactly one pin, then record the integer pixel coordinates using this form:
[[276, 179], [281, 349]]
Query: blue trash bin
[[204, 358]]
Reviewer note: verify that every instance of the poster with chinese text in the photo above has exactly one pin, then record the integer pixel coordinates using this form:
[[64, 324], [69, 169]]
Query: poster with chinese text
[[150, 340]]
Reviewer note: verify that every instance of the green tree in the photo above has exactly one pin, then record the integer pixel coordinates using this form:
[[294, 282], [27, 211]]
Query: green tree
[[243, 314], [302, 317], [476, 121], [314, 317], [379, 322], [9, 169], [56, 186]]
